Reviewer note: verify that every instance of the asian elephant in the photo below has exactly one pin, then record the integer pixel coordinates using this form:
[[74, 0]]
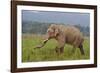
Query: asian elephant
[[64, 35]]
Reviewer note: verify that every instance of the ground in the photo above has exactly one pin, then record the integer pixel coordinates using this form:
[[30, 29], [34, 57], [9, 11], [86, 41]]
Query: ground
[[47, 53]]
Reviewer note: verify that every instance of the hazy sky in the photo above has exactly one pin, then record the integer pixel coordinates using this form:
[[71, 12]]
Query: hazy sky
[[57, 17]]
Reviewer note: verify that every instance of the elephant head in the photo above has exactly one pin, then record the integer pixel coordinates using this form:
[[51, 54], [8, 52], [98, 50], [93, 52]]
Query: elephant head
[[53, 31]]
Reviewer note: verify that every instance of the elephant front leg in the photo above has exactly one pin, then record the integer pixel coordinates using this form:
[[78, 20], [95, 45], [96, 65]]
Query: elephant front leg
[[61, 43], [60, 48]]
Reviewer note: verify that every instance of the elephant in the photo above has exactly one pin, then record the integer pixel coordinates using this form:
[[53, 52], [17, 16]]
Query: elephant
[[64, 35]]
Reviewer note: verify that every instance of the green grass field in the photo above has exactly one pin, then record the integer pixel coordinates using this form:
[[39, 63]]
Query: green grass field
[[47, 53]]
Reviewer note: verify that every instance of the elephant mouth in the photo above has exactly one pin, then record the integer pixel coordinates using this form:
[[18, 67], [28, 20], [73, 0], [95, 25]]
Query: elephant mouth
[[51, 34]]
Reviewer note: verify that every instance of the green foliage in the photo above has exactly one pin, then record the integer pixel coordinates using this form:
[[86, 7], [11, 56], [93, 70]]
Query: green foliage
[[47, 53], [41, 27]]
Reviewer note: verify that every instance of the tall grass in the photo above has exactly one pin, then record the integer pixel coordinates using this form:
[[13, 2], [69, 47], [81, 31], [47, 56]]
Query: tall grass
[[47, 53]]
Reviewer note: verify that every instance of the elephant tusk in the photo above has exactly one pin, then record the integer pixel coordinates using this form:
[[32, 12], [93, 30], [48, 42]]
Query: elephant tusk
[[40, 46]]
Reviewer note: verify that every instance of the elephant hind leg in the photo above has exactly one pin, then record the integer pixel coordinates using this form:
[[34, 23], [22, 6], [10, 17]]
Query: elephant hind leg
[[81, 49]]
